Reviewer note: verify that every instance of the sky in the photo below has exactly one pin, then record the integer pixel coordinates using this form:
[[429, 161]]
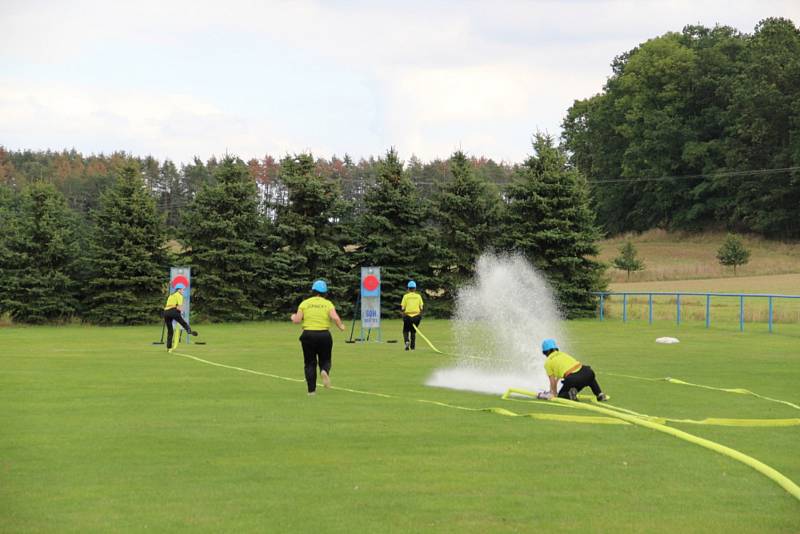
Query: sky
[[183, 79]]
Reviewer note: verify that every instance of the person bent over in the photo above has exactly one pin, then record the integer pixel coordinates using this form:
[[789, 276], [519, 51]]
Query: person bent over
[[575, 376], [315, 314], [173, 311], [411, 306]]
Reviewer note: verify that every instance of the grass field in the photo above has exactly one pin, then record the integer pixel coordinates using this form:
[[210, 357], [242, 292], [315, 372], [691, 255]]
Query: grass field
[[102, 431]]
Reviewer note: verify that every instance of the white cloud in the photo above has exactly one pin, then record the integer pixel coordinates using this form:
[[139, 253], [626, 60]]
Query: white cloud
[[178, 78]]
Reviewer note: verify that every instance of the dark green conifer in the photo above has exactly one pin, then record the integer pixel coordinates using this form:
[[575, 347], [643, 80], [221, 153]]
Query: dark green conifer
[[550, 222], [39, 256], [127, 263], [220, 230]]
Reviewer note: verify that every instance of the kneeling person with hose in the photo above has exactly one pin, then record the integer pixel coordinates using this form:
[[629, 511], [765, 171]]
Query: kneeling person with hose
[[315, 314], [173, 310], [576, 376]]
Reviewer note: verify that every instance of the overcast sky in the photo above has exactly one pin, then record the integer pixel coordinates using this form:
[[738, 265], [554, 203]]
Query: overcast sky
[[177, 79]]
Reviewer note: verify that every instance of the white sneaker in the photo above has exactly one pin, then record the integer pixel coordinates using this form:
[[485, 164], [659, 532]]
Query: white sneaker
[[326, 380]]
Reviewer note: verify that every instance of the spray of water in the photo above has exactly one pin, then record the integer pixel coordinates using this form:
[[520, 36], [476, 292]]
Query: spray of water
[[500, 322]]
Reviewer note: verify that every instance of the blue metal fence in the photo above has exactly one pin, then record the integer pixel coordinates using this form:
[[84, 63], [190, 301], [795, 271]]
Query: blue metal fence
[[604, 294]]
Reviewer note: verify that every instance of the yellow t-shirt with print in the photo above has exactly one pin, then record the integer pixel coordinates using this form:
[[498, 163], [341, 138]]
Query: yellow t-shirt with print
[[174, 300], [316, 313], [411, 304], [559, 363]]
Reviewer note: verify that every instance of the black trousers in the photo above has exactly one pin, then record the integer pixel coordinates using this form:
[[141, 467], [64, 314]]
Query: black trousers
[[317, 346], [579, 380], [409, 329], [170, 315]]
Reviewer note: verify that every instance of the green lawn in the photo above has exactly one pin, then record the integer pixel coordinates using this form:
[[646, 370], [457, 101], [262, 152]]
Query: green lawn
[[102, 431]]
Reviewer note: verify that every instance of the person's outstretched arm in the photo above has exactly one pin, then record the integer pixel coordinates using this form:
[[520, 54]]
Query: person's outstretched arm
[[335, 316]]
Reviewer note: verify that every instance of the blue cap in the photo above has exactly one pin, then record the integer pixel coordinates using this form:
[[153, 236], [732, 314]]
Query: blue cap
[[549, 344], [412, 285], [179, 286], [319, 286]]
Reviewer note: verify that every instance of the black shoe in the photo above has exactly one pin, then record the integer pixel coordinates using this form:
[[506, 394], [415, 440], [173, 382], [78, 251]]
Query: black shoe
[[193, 333], [573, 394], [602, 397], [406, 345]]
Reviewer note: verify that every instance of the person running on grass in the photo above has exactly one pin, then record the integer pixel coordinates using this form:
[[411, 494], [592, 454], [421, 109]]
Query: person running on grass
[[315, 314], [173, 311], [411, 305], [576, 376]]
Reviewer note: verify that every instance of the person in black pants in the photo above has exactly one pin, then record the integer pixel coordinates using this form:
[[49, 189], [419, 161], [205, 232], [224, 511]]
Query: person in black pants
[[411, 306], [173, 310], [574, 375], [315, 314]]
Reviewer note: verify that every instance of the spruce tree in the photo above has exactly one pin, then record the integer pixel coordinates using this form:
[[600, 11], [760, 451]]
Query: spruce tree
[[127, 263], [221, 229], [393, 233], [627, 260], [305, 240], [733, 252], [550, 222], [39, 254], [467, 212], [8, 258]]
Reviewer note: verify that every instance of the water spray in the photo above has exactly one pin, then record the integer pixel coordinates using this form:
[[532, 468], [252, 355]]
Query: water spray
[[501, 318]]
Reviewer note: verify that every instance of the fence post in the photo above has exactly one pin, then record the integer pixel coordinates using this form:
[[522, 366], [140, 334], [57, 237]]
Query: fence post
[[770, 314], [708, 310], [650, 300], [601, 306], [678, 307], [624, 307], [741, 313]]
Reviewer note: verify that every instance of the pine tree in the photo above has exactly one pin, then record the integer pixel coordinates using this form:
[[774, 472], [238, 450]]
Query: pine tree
[[627, 260], [127, 264], [393, 232], [733, 252], [39, 254], [467, 212], [306, 240], [221, 230], [550, 222]]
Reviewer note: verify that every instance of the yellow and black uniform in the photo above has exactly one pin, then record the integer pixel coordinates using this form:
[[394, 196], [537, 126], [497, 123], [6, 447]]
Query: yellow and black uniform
[[575, 375], [412, 315], [172, 313], [316, 339]]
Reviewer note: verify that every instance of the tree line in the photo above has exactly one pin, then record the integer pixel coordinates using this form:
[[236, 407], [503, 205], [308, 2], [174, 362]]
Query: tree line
[[696, 130], [255, 245]]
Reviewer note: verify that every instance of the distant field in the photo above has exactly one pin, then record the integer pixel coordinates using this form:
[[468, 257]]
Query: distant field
[[104, 432], [676, 256]]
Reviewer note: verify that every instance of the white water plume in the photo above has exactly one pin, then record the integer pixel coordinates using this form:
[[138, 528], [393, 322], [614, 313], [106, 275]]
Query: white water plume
[[500, 321]]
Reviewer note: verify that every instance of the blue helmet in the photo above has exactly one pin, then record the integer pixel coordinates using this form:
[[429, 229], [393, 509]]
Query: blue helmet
[[179, 286], [412, 285], [549, 344], [319, 286]]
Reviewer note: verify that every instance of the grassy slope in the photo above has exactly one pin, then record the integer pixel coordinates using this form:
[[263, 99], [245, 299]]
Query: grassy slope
[[102, 431], [680, 257]]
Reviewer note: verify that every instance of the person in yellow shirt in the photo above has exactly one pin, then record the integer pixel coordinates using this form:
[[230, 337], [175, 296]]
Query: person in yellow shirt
[[315, 314], [576, 376], [173, 311], [411, 305]]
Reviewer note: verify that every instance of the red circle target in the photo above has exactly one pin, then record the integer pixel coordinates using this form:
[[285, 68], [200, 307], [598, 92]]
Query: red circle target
[[371, 282], [180, 279]]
